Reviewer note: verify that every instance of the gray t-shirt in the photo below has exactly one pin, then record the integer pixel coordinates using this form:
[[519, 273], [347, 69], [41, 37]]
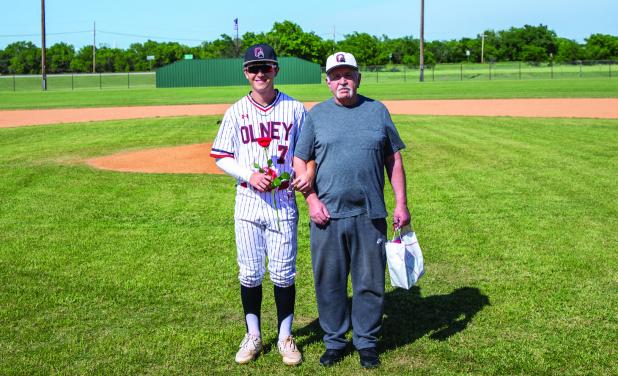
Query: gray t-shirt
[[349, 145]]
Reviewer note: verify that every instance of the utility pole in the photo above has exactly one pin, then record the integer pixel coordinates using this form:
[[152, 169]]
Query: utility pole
[[94, 47], [237, 44], [43, 67], [482, 47], [422, 52]]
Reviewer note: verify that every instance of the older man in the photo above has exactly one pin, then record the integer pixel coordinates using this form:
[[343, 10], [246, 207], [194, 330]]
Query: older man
[[352, 138]]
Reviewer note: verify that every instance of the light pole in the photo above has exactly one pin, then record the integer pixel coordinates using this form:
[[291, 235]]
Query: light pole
[[43, 68], [422, 45], [482, 47], [94, 46], [237, 44]]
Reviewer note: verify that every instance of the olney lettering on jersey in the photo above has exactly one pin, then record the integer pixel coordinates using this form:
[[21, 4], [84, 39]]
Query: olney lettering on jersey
[[273, 129]]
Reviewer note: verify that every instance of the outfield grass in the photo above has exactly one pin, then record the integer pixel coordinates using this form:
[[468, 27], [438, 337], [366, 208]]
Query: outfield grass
[[566, 88], [116, 273]]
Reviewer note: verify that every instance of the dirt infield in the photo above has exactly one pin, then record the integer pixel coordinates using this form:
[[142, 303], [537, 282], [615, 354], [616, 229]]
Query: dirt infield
[[568, 107], [195, 159], [189, 159]]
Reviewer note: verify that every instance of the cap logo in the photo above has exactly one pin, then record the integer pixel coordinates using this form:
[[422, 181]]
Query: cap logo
[[340, 58], [259, 52]]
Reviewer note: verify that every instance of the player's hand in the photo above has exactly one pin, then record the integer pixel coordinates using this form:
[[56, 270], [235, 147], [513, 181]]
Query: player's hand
[[317, 211], [261, 181], [401, 216], [303, 183]]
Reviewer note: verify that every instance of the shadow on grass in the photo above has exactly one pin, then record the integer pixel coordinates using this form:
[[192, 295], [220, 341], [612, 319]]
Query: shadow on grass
[[408, 317]]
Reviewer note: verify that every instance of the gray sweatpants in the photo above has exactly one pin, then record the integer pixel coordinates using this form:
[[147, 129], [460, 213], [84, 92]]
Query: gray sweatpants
[[355, 246]]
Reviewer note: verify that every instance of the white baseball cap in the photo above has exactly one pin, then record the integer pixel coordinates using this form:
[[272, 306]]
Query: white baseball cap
[[339, 59]]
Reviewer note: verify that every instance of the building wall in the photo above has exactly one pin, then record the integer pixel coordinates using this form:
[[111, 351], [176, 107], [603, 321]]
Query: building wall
[[228, 72]]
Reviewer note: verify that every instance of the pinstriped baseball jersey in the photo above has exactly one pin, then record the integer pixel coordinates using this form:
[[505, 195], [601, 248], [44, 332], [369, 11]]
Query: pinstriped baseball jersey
[[246, 121], [259, 234]]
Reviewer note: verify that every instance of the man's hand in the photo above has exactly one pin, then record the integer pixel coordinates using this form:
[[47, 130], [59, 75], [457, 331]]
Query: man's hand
[[317, 210], [303, 183], [261, 181], [305, 172], [401, 216]]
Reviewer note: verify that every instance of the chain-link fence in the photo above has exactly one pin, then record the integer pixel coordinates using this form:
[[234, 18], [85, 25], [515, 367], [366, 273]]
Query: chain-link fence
[[490, 71], [371, 74], [78, 81]]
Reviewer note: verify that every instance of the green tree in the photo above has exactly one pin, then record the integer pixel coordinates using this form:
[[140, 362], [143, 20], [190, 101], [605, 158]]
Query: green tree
[[532, 53], [4, 63], [224, 47], [447, 51], [366, 48], [491, 51], [289, 39], [59, 57], [401, 50], [569, 50], [82, 60], [23, 58], [249, 39], [473, 45], [515, 43], [138, 55], [601, 47]]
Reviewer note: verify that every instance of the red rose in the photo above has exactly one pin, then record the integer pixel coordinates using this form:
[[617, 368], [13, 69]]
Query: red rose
[[264, 141], [271, 172]]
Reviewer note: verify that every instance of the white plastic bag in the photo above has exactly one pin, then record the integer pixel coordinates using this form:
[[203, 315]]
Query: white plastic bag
[[405, 259]]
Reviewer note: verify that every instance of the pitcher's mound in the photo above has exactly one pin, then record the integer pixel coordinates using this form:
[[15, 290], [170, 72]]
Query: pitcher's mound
[[189, 159]]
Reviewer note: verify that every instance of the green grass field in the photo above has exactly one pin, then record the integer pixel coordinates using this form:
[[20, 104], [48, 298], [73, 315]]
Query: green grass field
[[566, 88], [116, 273]]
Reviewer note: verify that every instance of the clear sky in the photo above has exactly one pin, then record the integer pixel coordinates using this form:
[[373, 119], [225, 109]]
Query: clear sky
[[120, 23]]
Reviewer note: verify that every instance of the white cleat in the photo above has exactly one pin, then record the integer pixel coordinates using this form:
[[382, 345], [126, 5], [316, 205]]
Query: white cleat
[[289, 352], [249, 349]]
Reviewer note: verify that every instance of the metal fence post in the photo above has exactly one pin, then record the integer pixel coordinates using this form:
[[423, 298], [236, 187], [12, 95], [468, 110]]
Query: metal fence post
[[128, 81], [489, 71], [100, 83], [404, 73], [72, 83], [551, 69], [580, 68], [13, 82], [520, 70], [460, 72], [610, 68], [433, 72]]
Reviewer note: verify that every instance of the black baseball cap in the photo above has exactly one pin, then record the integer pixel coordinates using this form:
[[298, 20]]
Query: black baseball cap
[[260, 53]]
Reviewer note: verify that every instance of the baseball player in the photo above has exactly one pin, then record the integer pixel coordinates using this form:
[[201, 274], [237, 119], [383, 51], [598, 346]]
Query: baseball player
[[265, 217]]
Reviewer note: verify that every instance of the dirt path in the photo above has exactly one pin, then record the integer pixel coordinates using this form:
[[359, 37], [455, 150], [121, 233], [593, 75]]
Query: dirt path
[[195, 158], [568, 107]]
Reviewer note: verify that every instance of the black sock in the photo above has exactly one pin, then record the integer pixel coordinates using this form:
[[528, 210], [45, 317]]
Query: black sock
[[251, 298], [284, 299]]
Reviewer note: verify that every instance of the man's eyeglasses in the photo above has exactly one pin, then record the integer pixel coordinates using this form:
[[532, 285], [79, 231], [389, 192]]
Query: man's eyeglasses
[[265, 68]]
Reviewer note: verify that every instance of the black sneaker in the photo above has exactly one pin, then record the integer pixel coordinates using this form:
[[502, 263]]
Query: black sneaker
[[369, 357], [331, 356]]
